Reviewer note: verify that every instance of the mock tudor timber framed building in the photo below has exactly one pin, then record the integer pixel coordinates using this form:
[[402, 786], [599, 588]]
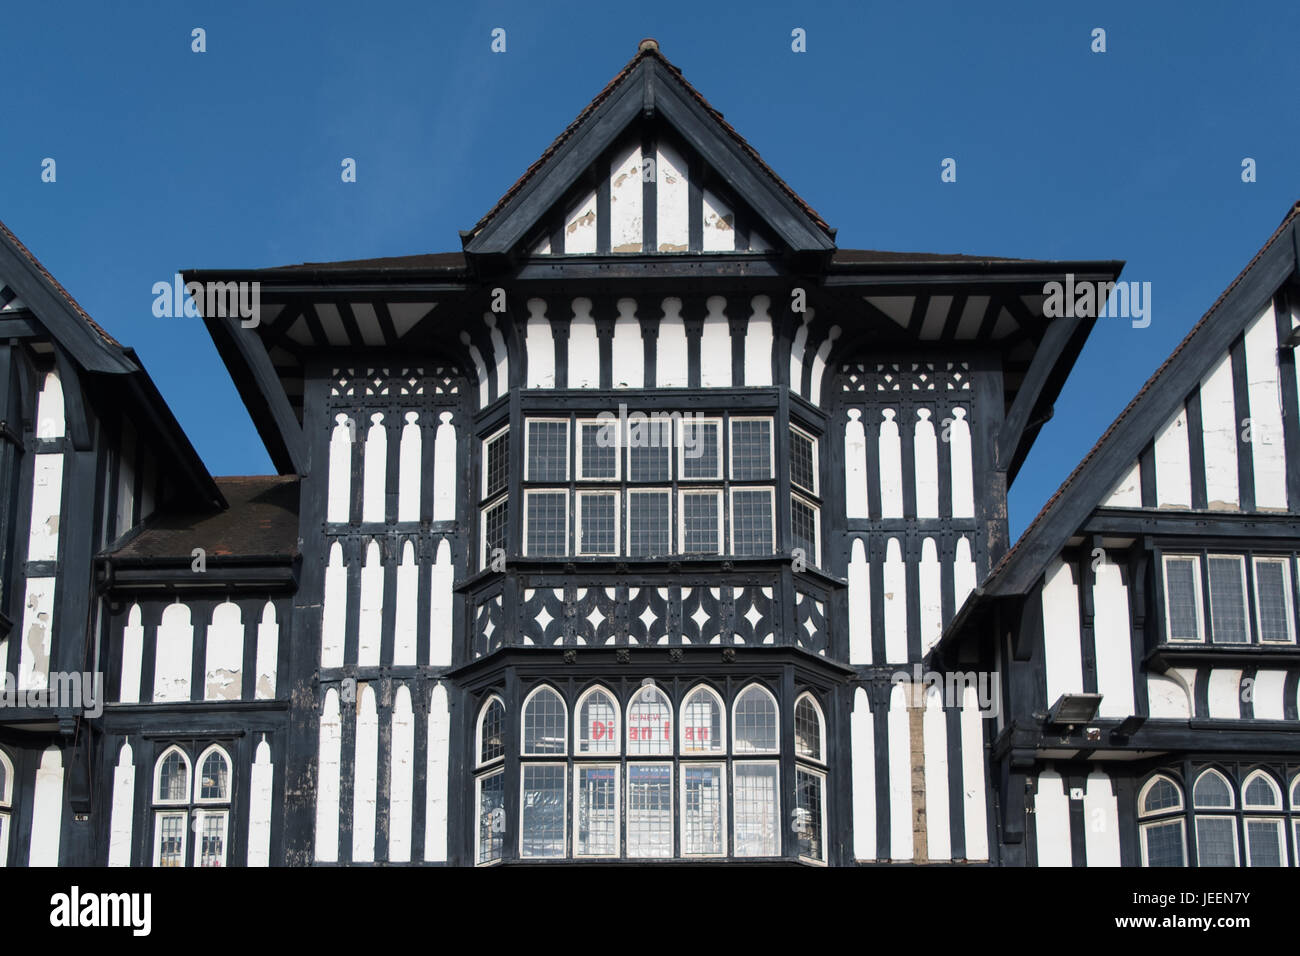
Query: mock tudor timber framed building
[[463, 626]]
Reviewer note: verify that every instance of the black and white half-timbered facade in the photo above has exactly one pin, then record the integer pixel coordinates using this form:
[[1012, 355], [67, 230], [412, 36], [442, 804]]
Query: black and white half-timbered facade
[[649, 527]]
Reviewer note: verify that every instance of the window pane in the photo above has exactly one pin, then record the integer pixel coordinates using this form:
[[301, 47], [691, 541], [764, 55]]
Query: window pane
[[173, 779], [807, 730], [548, 520], [803, 527], [598, 523], [1216, 841], [492, 732], [700, 524], [1264, 843], [596, 813], [544, 724], [1180, 599], [1164, 843], [808, 822], [803, 462], [650, 725], [1272, 593], [214, 781], [649, 524], [212, 840], [4, 838], [702, 810], [756, 814], [751, 448], [650, 449], [494, 529], [1211, 791], [498, 459], [702, 724], [171, 839], [1228, 601], [598, 724], [1163, 795], [751, 521], [701, 454], [548, 451], [599, 449], [649, 810], [491, 816], [755, 722], [4, 784], [1261, 794], [542, 823]]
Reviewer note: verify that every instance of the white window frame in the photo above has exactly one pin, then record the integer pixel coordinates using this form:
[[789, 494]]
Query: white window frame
[[672, 808], [771, 446], [1275, 806], [776, 720], [820, 775], [724, 828], [815, 491], [201, 815], [1197, 594], [667, 705], [815, 557], [776, 792], [564, 802], [198, 782], [681, 518], [158, 815], [617, 769], [482, 532], [731, 511], [1285, 563], [698, 422], [579, 730], [565, 550], [1279, 828], [821, 729], [585, 493], [1198, 817], [584, 423], [1167, 816], [627, 518], [1245, 598], [496, 771], [479, 762], [682, 743], [568, 447], [523, 722], [157, 799], [505, 430]]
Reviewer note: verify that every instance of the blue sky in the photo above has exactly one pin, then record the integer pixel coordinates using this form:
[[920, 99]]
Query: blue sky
[[168, 159]]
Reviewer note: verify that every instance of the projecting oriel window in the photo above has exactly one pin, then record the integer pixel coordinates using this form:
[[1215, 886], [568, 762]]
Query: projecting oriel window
[[185, 806], [494, 511], [1273, 602], [1183, 598]]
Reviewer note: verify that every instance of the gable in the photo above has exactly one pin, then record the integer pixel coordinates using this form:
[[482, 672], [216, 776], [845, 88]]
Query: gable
[[648, 167], [1154, 454]]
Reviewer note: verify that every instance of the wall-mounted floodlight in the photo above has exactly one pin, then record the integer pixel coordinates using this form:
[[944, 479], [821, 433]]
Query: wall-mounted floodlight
[[1071, 709]]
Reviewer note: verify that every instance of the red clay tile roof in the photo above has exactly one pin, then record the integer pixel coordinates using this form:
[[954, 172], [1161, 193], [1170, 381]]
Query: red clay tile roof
[[262, 521], [643, 53], [58, 287], [1123, 416]]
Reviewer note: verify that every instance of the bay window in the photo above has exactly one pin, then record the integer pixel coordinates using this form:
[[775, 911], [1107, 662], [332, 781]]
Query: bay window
[[185, 804], [1224, 583]]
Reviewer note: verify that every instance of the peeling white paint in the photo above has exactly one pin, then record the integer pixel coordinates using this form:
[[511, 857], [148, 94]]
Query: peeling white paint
[[173, 655], [334, 609], [132, 657], [222, 677], [327, 780], [123, 808], [268, 653], [259, 806], [47, 810]]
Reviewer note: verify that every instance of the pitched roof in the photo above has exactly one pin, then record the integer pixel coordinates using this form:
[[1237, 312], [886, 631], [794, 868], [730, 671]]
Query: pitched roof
[[647, 51], [1099, 485], [261, 522]]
